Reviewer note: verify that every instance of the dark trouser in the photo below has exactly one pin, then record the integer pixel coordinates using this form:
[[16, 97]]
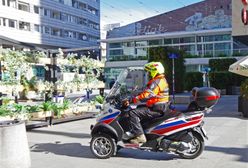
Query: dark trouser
[[140, 114]]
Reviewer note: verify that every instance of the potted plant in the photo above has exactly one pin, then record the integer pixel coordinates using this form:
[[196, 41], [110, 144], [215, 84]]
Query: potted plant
[[29, 87], [5, 113], [56, 109], [66, 106], [244, 95], [47, 108], [20, 112], [34, 111]]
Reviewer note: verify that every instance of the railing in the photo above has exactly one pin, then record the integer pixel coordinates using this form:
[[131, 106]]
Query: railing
[[127, 58]]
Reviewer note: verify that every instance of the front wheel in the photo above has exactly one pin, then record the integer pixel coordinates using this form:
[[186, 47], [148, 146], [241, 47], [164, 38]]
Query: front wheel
[[197, 146], [103, 146]]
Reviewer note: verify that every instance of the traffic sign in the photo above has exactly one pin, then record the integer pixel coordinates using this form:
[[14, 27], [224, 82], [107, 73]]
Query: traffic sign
[[173, 56]]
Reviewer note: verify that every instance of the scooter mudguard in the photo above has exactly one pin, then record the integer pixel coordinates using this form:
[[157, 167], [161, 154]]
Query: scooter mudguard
[[104, 128]]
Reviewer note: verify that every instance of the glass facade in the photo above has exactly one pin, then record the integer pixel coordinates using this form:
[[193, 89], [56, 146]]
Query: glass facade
[[195, 46]]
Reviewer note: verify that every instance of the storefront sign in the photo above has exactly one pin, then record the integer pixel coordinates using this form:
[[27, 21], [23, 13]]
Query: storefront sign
[[245, 2]]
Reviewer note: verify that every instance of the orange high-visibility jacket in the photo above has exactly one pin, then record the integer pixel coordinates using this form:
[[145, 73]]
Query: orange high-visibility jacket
[[157, 90]]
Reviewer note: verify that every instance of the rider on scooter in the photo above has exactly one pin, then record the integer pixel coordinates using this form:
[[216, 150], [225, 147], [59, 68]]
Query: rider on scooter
[[156, 96]]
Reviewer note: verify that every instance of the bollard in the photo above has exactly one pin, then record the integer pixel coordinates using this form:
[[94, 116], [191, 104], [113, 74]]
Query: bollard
[[14, 150]]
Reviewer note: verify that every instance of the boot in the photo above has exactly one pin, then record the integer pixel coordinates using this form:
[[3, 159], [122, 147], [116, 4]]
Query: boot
[[139, 139]]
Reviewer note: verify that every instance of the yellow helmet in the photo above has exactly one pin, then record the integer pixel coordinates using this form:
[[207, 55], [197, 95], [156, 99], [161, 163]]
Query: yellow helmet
[[154, 68]]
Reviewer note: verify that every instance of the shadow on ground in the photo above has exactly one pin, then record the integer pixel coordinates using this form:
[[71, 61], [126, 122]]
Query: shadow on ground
[[68, 134], [79, 150], [241, 152], [67, 149]]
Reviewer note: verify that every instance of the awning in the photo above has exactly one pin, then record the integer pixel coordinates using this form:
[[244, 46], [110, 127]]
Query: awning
[[240, 67]]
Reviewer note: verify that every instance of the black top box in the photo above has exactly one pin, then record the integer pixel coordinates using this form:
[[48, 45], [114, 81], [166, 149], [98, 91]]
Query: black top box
[[206, 97]]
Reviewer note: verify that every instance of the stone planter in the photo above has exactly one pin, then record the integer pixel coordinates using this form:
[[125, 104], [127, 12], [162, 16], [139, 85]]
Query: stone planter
[[233, 90], [6, 118], [41, 114], [245, 107], [14, 150], [240, 104]]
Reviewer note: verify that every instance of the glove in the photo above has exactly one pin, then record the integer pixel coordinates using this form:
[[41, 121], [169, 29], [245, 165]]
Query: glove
[[125, 103]]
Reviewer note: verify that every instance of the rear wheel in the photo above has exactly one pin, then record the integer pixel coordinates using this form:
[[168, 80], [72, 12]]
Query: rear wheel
[[197, 146], [103, 146]]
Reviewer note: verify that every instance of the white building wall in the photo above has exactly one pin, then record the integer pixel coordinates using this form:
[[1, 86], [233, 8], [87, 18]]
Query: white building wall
[[39, 19]]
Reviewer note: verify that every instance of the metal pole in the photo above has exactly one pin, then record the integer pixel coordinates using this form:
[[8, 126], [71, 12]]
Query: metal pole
[[173, 80], [0, 70]]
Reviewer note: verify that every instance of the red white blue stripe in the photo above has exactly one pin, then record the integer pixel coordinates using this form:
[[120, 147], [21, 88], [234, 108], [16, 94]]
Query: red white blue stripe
[[177, 124], [108, 119]]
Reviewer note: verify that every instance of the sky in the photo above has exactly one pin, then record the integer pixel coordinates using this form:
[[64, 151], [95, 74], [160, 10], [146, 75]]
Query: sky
[[129, 11]]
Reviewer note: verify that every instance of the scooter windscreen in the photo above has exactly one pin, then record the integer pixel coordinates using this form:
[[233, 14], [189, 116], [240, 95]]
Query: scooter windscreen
[[115, 90]]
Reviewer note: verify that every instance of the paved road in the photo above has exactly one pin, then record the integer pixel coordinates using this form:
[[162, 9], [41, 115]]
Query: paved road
[[67, 145]]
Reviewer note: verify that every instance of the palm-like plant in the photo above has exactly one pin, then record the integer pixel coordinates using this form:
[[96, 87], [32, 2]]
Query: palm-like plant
[[57, 109], [46, 106]]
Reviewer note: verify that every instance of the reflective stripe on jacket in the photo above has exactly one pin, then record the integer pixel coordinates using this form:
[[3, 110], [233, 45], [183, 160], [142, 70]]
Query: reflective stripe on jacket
[[157, 90]]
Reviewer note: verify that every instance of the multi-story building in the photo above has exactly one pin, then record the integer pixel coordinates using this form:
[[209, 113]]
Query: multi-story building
[[203, 30], [50, 24]]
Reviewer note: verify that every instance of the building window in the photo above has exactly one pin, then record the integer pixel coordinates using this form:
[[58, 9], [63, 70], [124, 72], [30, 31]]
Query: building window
[[72, 34], [176, 40], [73, 19], [81, 6], [11, 3], [93, 25], [64, 17], [55, 15], [36, 28], [140, 43], [222, 49], [155, 42], [23, 6], [190, 49], [115, 52], [46, 12], [12, 23], [187, 40], [24, 26], [167, 41], [75, 3], [141, 52], [65, 33], [82, 36], [115, 45], [36, 10], [55, 32], [128, 44], [47, 30], [92, 10], [82, 21], [3, 21]]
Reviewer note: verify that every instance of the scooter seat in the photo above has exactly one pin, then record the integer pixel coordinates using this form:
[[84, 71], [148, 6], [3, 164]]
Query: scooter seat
[[168, 113]]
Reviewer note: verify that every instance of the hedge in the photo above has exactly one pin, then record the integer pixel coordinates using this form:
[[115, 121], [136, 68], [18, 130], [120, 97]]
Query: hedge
[[161, 54], [193, 79], [221, 64], [221, 80]]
